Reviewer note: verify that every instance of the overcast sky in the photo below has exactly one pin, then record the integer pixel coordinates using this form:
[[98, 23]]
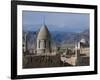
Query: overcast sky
[[72, 22]]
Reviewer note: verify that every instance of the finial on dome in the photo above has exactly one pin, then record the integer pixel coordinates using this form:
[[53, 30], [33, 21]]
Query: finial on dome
[[43, 20]]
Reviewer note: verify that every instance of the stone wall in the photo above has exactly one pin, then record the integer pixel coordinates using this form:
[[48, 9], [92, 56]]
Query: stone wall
[[33, 61]]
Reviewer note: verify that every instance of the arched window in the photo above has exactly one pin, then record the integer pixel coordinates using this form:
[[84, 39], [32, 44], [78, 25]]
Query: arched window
[[49, 44], [39, 44], [44, 43]]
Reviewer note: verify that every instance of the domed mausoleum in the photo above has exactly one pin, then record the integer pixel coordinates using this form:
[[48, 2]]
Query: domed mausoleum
[[43, 41], [83, 43]]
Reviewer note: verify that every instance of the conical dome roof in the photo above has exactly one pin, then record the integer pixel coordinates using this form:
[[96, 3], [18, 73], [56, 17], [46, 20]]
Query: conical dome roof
[[43, 33]]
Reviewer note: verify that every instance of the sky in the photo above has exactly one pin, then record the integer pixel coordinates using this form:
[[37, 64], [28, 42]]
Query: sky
[[55, 21]]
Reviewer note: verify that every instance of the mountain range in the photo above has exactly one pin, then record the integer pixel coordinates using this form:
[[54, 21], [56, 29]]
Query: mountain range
[[60, 37]]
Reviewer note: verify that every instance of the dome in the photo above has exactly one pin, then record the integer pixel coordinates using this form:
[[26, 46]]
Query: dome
[[43, 33], [83, 41]]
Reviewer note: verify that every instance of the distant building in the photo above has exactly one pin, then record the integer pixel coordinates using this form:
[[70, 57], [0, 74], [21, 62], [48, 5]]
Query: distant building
[[43, 41], [25, 48], [83, 43]]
